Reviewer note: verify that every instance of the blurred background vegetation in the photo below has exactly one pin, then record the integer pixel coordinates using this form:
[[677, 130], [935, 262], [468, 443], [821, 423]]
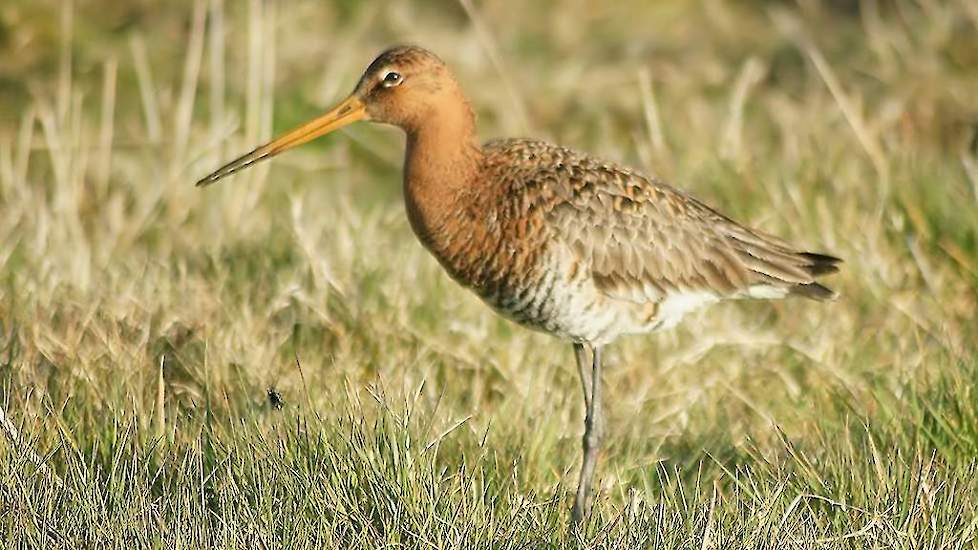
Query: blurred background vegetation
[[275, 361]]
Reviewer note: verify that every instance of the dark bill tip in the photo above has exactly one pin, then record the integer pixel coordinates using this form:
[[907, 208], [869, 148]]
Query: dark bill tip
[[235, 165]]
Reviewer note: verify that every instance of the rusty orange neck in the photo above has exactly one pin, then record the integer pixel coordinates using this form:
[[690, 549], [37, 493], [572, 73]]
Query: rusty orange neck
[[441, 168]]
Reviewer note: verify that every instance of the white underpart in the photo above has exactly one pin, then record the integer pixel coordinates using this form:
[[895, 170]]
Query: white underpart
[[675, 306], [766, 292]]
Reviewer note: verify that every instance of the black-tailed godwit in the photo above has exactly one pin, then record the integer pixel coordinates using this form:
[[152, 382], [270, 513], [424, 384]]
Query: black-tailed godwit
[[554, 239]]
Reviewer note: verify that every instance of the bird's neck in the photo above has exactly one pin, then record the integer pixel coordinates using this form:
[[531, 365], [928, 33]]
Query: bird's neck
[[441, 172]]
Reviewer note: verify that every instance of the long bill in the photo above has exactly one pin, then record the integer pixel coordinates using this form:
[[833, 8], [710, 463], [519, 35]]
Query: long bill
[[350, 110]]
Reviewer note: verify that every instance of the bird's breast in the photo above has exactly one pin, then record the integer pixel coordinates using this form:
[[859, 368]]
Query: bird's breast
[[476, 242]]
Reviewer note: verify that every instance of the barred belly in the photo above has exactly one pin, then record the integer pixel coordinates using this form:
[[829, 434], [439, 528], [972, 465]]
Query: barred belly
[[568, 307]]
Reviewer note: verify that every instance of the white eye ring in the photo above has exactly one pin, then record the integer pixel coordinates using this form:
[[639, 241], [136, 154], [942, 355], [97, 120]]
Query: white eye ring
[[391, 79]]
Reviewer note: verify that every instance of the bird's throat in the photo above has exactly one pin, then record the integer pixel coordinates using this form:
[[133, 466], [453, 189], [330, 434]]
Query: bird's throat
[[441, 164], [442, 181]]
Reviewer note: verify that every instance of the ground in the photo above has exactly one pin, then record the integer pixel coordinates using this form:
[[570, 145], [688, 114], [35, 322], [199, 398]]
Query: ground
[[274, 361]]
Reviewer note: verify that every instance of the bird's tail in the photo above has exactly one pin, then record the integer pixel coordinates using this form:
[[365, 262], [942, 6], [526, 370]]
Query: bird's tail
[[817, 266], [776, 264]]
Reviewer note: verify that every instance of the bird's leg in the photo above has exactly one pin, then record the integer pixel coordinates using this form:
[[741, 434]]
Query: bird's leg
[[593, 432], [584, 370]]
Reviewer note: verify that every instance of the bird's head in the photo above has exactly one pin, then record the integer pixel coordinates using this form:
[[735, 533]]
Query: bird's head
[[403, 86]]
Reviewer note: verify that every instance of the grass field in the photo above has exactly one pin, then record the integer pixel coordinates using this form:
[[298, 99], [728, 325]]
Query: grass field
[[275, 362]]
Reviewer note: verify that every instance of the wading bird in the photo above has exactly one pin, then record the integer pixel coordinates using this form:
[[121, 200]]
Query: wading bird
[[553, 239]]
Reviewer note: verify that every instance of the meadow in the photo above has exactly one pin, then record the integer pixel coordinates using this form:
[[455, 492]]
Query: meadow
[[275, 362]]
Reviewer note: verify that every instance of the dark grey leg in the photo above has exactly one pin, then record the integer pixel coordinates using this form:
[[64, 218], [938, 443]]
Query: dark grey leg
[[584, 370], [593, 432]]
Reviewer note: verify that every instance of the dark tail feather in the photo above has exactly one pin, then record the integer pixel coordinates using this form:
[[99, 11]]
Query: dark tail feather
[[815, 291], [818, 264]]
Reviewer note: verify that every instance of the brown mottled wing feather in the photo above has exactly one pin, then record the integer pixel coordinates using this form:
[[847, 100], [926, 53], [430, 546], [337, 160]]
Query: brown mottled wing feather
[[643, 239]]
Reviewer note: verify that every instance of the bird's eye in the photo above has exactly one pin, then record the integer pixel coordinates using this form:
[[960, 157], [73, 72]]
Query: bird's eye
[[392, 79]]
